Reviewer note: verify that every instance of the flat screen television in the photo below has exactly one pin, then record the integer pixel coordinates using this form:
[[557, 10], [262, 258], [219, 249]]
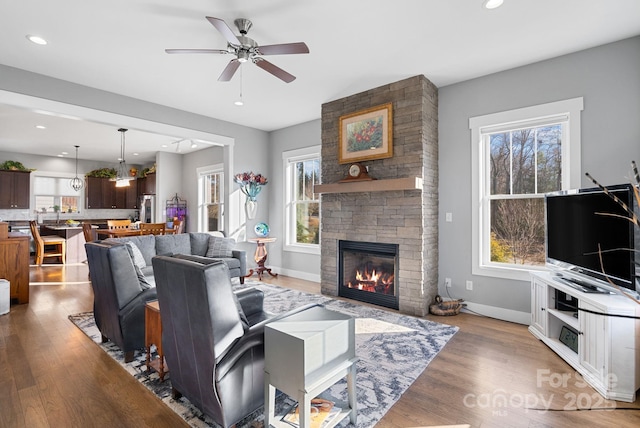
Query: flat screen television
[[580, 230]]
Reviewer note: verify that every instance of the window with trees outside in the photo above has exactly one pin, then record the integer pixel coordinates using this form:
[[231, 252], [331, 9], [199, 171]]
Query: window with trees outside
[[519, 156], [211, 199], [302, 206]]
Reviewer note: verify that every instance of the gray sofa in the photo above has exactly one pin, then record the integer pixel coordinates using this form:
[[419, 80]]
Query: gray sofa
[[194, 243], [123, 279]]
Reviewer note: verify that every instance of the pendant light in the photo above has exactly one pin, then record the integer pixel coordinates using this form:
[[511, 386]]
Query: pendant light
[[122, 175], [75, 183]]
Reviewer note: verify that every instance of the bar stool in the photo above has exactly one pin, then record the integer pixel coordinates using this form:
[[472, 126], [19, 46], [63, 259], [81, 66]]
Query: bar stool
[[42, 242]]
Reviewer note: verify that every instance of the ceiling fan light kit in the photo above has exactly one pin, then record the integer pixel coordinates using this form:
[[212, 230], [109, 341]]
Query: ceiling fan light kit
[[239, 101], [247, 50], [492, 4], [36, 39]]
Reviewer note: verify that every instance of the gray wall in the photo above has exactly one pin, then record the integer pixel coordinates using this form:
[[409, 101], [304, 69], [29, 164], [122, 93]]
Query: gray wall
[[250, 152], [608, 77], [249, 145], [306, 266]]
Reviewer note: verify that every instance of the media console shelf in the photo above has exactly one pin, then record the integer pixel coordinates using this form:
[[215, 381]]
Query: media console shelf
[[607, 354]]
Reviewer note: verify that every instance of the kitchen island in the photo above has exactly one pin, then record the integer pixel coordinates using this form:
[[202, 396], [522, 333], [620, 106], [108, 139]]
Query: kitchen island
[[75, 239]]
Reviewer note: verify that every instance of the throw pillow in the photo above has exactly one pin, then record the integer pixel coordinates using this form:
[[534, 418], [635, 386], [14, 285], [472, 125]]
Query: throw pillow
[[136, 255], [221, 247], [138, 264]]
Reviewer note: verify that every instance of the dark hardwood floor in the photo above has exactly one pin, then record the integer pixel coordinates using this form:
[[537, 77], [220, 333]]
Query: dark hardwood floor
[[491, 374]]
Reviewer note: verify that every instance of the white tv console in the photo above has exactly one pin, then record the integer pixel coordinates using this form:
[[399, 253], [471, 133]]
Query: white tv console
[[608, 346]]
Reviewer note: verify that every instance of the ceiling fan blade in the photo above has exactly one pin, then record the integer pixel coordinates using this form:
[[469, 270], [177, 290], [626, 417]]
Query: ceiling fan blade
[[275, 70], [196, 51], [284, 49], [229, 71], [224, 29]]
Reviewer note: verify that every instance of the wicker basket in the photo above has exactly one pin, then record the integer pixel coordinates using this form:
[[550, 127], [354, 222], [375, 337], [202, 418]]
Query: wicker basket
[[450, 307]]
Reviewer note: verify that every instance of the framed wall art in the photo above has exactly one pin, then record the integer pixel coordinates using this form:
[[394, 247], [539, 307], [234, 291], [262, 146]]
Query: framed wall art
[[366, 135]]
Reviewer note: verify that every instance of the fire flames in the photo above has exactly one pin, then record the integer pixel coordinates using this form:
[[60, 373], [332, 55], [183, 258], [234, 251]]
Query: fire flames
[[375, 281]]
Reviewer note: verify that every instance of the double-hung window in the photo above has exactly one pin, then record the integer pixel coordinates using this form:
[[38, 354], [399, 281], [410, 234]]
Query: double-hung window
[[518, 157], [211, 198], [302, 206]]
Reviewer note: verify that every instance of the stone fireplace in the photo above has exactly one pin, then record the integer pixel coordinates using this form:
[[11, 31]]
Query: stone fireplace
[[400, 207], [367, 272]]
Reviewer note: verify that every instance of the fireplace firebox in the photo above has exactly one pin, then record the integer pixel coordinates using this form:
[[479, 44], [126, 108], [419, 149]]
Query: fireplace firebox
[[368, 272]]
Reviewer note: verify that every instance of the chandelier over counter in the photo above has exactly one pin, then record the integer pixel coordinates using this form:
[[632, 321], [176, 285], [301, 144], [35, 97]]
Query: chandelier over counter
[[122, 178], [76, 183]]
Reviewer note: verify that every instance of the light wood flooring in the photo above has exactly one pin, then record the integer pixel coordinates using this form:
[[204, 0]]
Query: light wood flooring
[[491, 374]]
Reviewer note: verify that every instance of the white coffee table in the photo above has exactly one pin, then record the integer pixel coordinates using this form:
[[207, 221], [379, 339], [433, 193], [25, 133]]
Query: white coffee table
[[305, 354]]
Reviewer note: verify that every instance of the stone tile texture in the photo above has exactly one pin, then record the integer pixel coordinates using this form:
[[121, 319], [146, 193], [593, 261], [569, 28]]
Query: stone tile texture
[[409, 217]]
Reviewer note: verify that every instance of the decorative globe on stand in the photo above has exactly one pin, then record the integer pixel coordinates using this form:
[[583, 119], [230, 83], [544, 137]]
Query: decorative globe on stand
[[261, 230]]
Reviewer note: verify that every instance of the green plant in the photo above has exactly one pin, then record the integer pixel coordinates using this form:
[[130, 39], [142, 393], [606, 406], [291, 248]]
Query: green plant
[[102, 173], [13, 165]]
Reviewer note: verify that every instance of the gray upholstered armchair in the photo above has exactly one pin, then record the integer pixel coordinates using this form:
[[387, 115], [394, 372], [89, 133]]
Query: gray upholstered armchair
[[119, 296], [213, 338]]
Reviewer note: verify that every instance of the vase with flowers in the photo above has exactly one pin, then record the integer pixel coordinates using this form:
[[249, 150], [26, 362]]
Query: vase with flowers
[[251, 185]]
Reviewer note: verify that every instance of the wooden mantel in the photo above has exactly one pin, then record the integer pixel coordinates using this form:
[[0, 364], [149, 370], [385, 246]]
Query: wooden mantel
[[407, 183]]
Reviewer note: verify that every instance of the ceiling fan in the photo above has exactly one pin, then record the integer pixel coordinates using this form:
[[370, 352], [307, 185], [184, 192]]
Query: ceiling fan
[[246, 49]]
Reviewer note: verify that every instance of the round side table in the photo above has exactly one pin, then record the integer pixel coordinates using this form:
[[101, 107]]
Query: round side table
[[261, 257]]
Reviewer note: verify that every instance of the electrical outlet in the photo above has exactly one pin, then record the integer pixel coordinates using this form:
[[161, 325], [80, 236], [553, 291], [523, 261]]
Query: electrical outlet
[[469, 285], [447, 282], [448, 217]]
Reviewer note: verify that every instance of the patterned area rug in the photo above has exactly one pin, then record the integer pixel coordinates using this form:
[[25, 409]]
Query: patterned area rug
[[393, 351]]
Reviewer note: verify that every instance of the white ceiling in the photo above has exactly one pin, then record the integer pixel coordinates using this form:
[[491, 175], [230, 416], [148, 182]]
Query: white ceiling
[[118, 46]]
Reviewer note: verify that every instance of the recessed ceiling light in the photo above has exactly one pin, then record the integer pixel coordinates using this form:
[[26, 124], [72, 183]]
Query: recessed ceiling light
[[164, 146], [65, 153], [136, 154], [492, 4], [193, 145], [36, 39], [60, 155], [239, 103], [41, 127]]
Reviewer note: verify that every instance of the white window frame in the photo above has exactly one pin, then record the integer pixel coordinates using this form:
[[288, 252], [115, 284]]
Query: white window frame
[[202, 173], [289, 159], [571, 173]]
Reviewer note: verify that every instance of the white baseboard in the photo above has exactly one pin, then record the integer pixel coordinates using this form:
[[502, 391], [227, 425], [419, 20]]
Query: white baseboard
[[296, 274], [498, 313]]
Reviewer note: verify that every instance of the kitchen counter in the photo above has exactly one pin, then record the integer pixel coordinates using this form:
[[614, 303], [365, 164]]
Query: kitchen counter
[[65, 227]]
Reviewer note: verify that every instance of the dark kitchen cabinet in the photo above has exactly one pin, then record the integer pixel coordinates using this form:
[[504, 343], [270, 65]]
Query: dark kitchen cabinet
[[133, 201], [15, 187], [93, 192], [103, 193], [147, 185]]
